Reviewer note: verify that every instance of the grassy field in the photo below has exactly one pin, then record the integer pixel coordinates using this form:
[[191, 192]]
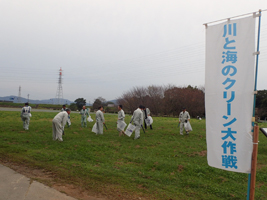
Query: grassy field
[[162, 164]]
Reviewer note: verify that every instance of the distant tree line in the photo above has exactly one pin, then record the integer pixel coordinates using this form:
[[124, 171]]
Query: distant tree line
[[100, 101], [169, 100], [165, 100], [161, 100]]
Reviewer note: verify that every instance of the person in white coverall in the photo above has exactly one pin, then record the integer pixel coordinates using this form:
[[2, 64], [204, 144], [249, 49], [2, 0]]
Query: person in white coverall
[[59, 123], [64, 109], [146, 113], [121, 117], [84, 113], [25, 116], [137, 120], [183, 118], [100, 120]]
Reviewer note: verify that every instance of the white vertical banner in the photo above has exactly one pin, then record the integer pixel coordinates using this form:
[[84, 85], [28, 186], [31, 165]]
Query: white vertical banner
[[229, 92]]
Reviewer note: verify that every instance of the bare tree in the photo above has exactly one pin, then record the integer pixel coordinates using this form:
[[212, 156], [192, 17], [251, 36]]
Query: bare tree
[[102, 100], [140, 93], [165, 100], [128, 101], [155, 99]]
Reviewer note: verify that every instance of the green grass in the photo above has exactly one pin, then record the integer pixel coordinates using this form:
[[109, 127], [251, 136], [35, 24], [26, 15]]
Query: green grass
[[162, 164]]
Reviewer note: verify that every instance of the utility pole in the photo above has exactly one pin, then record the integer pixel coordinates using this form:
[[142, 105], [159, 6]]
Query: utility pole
[[19, 96], [59, 94]]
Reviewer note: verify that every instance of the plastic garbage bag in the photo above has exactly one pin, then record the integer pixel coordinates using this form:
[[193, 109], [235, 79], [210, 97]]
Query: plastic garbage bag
[[121, 125], [148, 120], [94, 129], [89, 119], [130, 129], [187, 126]]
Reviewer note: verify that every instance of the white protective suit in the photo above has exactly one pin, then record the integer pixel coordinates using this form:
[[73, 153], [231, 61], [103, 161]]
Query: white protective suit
[[183, 117], [68, 122], [59, 123], [99, 121], [84, 113], [25, 116], [137, 120], [121, 117], [146, 113]]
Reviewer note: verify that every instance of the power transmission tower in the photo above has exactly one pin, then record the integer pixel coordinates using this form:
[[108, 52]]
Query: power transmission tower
[[59, 95], [19, 96]]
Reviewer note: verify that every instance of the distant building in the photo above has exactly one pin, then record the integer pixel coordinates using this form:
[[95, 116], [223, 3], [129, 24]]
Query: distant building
[[111, 105]]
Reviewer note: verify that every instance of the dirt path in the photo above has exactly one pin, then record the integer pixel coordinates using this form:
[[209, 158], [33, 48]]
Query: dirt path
[[50, 179]]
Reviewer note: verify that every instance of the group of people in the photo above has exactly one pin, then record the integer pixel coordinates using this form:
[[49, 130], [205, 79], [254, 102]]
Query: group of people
[[62, 118], [140, 115]]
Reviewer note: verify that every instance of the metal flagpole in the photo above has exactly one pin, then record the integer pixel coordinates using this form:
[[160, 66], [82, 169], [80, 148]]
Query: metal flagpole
[[254, 132], [254, 162]]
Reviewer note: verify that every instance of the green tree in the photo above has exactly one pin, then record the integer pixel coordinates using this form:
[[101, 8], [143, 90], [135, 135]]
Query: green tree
[[110, 102], [73, 106], [103, 101], [261, 99], [96, 104], [261, 104], [80, 102]]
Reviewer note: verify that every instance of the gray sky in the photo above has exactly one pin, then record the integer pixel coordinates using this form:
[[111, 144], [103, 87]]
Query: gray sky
[[106, 47]]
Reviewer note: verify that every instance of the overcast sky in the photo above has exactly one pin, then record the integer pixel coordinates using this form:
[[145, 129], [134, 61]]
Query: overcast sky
[[106, 47]]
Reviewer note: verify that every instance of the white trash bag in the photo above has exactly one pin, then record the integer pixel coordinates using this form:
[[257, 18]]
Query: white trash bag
[[130, 129], [149, 121], [121, 125], [94, 129], [89, 119], [187, 126]]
